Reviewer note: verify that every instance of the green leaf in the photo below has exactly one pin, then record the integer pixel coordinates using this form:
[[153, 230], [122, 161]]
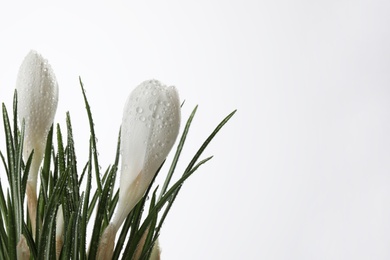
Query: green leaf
[[9, 143], [3, 239], [45, 173], [178, 152], [11, 230], [30, 241], [46, 239], [93, 136], [84, 218], [101, 212], [72, 163], [66, 251]]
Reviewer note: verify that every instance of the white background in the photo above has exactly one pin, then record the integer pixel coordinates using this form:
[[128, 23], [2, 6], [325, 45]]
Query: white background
[[301, 171]]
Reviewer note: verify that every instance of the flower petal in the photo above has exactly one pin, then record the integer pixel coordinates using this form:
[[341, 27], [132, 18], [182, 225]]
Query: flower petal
[[37, 101], [150, 125]]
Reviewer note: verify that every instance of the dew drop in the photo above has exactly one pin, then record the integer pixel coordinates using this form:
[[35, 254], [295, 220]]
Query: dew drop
[[152, 107]]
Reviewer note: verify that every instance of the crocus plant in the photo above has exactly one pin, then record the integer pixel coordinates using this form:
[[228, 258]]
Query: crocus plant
[[150, 125], [125, 223], [37, 90]]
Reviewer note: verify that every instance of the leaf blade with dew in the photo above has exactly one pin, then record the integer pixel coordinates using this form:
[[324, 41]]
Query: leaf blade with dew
[[11, 230], [72, 162], [84, 218], [3, 237], [83, 173], [15, 121], [4, 164], [208, 140], [3, 204], [93, 136], [114, 200], [146, 249], [30, 241], [17, 183], [69, 236], [46, 162], [101, 213], [187, 173], [96, 195], [9, 145], [191, 166], [178, 152], [61, 151], [46, 238], [77, 244], [173, 197], [25, 176]]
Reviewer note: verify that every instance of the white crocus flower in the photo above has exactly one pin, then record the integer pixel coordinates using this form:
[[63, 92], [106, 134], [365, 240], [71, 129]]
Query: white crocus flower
[[150, 125], [37, 91]]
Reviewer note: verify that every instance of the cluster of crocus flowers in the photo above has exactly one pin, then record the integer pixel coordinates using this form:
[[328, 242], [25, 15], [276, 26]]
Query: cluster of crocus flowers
[[150, 125]]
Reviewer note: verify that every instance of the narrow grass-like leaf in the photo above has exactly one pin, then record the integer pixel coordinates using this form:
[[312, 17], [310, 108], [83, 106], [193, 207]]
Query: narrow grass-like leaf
[[84, 218], [15, 115], [76, 243], [5, 164], [45, 173], [9, 144], [61, 151], [172, 199], [178, 152], [164, 199], [11, 230], [113, 204], [46, 238], [83, 173], [25, 177], [123, 234], [136, 220], [101, 212], [137, 216], [3, 239], [69, 238], [208, 140], [72, 162], [96, 194], [146, 250], [138, 210], [17, 199], [30, 241], [3, 204], [93, 136], [187, 173]]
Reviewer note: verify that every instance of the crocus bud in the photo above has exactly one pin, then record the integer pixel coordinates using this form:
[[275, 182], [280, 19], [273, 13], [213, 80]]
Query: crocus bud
[[37, 91], [150, 125]]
